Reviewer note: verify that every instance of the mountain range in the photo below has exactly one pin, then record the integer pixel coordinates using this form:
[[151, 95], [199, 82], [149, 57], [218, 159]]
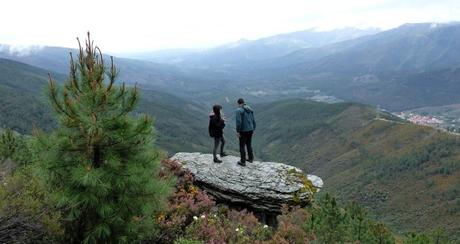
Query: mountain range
[[56, 59], [393, 68], [414, 65], [247, 51], [406, 175]]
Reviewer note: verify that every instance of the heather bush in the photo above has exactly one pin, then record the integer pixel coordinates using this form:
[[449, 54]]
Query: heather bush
[[228, 227], [246, 226], [185, 203], [210, 229], [291, 226], [187, 241]]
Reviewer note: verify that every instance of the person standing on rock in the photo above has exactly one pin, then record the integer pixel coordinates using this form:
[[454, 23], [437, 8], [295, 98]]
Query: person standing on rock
[[216, 130], [245, 126]]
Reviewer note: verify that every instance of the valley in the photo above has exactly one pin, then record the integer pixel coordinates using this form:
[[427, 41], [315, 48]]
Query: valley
[[315, 95], [368, 160]]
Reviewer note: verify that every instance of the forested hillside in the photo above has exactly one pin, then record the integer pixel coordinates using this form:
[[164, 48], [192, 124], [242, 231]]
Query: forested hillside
[[22, 92], [407, 175], [182, 125]]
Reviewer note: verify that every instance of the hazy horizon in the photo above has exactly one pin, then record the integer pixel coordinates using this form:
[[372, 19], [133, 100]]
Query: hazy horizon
[[150, 26]]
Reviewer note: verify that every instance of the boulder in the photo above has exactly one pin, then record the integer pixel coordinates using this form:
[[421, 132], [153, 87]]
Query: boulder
[[261, 186]]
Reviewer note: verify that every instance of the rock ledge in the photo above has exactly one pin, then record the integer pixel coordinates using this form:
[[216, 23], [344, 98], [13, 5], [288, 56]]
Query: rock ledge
[[263, 186]]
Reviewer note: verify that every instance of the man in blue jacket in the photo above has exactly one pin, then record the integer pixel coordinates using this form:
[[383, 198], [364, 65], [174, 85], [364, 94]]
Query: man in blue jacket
[[245, 126]]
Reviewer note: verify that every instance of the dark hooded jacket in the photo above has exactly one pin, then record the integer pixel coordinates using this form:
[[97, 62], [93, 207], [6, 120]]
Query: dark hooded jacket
[[216, 126], [245, 119]]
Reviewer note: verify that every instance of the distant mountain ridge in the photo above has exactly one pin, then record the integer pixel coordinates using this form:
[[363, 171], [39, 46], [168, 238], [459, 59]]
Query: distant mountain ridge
[[418, 47], [410, 66], [253, 50], [379, 69], [133, 71]]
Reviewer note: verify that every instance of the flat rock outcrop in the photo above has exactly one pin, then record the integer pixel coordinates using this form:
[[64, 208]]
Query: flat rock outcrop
[[263, 186]]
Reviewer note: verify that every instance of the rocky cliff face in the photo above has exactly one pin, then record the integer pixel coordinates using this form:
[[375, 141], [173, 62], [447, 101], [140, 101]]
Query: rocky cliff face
[[262, 186]]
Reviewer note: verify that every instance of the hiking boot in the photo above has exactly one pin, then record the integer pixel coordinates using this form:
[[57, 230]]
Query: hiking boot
[[251, 160], [216, 160], [223, 154], [241, 163]]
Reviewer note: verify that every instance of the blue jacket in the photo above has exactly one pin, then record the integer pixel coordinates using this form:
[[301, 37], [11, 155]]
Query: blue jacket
[[245, 119]]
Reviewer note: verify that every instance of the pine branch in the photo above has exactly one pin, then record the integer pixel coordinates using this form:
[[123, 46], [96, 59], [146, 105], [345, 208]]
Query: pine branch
[[73, 75]]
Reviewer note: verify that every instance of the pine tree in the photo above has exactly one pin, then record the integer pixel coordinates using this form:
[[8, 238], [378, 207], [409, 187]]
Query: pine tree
[[417, 238], [14, 147], [330, 219], [8, 145], [100, 163], [358, 221], [381, 234], [439, 236]]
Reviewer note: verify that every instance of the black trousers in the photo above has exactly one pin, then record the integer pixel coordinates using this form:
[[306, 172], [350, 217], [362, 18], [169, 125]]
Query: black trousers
[[217, 141], [246, 143]]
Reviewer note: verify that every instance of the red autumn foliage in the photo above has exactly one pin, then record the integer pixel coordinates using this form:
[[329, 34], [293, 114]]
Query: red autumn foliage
[[186, 202]]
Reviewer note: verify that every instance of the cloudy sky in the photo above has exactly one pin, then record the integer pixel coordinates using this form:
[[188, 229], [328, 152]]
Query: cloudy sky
[[142, 25]]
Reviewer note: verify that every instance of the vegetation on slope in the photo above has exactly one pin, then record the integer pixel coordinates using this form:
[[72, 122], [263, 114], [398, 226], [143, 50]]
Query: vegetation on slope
[[21, 97], [407, 175], [376, 161], [192, 216], [182, 124]]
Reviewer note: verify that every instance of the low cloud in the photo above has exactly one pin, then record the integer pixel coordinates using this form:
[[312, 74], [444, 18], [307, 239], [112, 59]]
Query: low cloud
[[20, 50]]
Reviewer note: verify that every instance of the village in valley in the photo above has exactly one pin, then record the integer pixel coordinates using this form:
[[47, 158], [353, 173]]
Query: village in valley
[[443, 122]]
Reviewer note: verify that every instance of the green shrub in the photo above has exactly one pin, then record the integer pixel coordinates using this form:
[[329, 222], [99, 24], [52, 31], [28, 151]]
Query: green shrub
[[23, 194], [417, 238]]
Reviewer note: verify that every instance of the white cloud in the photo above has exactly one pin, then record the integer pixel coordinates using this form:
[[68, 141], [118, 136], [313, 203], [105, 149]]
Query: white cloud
[[152, 24], [20, 50]]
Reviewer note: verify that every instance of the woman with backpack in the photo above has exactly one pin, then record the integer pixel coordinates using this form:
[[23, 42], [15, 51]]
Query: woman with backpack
[[216, 130]]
